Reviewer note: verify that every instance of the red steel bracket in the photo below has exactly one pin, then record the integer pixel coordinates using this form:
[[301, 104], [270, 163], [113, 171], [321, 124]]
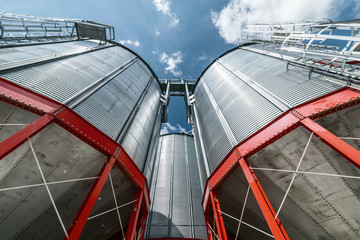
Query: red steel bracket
[[218, 216], [131, 231], [26, 99], [83, 214], [208, 230], [341, 147], [205, 199], [330, 103], [14, 141], [267, 210]]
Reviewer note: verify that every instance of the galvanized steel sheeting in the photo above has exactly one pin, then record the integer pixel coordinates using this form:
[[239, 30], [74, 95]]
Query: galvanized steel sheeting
[[109, 106], [250, 90], [175, 190]]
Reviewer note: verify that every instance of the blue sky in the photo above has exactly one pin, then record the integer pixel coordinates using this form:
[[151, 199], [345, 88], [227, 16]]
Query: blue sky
[[180, 38]]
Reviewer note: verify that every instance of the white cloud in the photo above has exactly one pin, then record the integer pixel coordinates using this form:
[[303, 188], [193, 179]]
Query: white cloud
[[202, 57], [238, 13], [168, 128], [135, 43], [172, 61], [163, 6], [157, 33]]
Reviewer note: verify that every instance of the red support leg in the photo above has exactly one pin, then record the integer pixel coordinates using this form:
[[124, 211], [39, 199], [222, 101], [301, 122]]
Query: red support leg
[[143, 225], [267, 210], [83, 214], [208, 229], [341, 147], [14, 141], [131, 230], [218, 216]]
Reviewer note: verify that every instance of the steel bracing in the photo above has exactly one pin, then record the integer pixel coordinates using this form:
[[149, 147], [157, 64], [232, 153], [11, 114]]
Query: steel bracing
[[52, 112], [302, 115]]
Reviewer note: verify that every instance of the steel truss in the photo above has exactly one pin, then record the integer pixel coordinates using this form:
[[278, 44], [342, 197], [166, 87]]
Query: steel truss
[[302, 115], [54, 112]]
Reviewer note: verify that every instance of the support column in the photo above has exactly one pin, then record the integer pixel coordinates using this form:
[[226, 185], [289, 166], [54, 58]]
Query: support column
[[143, 225], [83, 214], [14, 141], [207, 223], [267, 210], [218, 216], [131, 230], [341, 147]]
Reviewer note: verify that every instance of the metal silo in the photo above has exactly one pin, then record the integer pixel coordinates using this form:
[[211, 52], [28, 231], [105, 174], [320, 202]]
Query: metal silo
[[78, 114], [278, 124], [175, 191]]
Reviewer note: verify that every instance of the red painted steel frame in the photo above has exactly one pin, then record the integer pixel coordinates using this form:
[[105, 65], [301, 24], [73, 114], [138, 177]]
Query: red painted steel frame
[[343, 148], [131, 231], [52, 111], [143, 226], [285, 123], [14, 141], [84, 212], [275, 225], [218, 216], [207, 222]]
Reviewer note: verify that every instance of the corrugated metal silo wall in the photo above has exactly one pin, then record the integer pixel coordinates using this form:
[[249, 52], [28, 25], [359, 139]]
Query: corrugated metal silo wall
[[123, 105], [243, 91], [175, 191]]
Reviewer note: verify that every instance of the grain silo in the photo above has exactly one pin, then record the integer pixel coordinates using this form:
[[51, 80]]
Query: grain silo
[[175, 191], [279, 129], [274, 151], [78, 113]]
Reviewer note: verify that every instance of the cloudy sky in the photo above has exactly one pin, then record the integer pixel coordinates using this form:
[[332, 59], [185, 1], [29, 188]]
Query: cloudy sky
[[180, 38]]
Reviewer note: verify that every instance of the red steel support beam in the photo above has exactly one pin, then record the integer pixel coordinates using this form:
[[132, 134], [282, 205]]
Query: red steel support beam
[[207, 223], [267, 210], [143, 224], [341, 147], [131, 230], [218, 216], [25, 98], [83, 214], [14, 141]]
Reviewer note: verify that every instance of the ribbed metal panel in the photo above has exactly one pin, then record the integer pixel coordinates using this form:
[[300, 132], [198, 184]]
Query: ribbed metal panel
[[109, 106], [249, 90], [216, 143], [292, 86], [114, 101], [200, 155], [176, 211], [62, 79], [137, 139], [13, 54]]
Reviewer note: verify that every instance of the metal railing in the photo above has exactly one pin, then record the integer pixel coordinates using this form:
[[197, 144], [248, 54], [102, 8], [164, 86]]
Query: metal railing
[[330, 46], [25, 28]]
